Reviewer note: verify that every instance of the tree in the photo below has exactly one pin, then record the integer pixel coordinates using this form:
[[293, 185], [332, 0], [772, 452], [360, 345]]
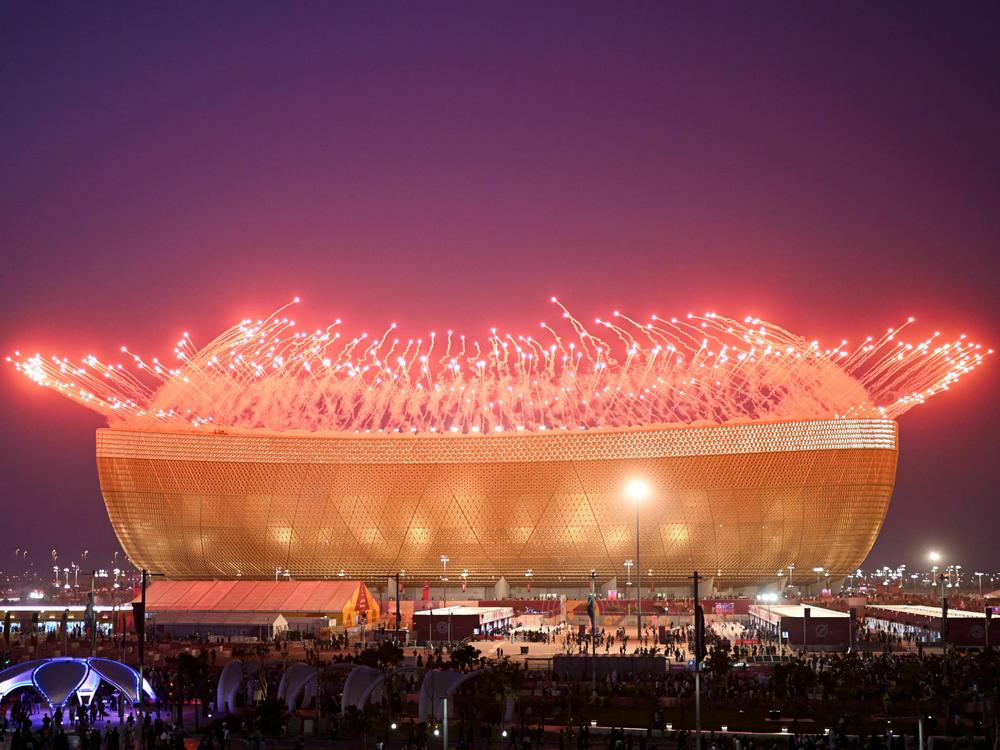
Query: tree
[[719, 663], [503, 680], [388, 654], [192, 681], [272, 715], [465, 656]]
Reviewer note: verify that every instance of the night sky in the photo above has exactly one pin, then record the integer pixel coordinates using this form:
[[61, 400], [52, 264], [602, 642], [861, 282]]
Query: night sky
[[178, 166]]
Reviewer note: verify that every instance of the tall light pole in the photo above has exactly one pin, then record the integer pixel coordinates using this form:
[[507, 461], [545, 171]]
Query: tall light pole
[[628, 587], [116, 611], [935, 557], [989, 614], [637, 490], [444, 578], [399, 617], [592, 607]]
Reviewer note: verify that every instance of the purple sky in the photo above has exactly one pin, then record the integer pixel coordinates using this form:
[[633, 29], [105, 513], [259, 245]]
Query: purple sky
[[176, 166]]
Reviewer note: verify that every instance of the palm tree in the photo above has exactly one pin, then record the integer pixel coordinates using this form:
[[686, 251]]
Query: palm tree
[[192, 681]]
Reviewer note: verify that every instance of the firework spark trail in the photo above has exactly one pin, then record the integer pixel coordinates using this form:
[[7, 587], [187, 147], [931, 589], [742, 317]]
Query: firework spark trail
[[267, 375]]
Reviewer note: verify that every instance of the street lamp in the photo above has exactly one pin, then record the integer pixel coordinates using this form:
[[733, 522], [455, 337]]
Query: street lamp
[[768, 598], [819, 572], [637, 490], [935, 557], [980, 577]]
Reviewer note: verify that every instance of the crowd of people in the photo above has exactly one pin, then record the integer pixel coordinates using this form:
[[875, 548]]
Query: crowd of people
[[839, 687]]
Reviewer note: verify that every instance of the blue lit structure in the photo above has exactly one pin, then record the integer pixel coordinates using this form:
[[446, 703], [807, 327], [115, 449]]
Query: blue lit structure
[[58, 679]]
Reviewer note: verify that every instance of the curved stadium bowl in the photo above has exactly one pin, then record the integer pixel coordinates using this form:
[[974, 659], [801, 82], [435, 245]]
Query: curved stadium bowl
[[740, 501]]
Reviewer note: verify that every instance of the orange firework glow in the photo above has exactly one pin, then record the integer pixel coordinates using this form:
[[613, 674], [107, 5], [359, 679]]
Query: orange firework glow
[[702, 369]]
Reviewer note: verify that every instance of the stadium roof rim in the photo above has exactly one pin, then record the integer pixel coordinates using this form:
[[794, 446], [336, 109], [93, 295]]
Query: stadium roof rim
[[506, 434], [640, 443]]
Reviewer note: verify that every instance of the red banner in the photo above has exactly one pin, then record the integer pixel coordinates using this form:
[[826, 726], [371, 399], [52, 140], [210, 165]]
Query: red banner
[[362, 605]]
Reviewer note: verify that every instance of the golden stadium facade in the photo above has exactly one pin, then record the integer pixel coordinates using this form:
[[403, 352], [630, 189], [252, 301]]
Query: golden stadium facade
[[740, 501]]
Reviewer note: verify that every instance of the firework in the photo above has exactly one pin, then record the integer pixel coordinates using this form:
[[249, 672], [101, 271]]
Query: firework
[[618, 372]]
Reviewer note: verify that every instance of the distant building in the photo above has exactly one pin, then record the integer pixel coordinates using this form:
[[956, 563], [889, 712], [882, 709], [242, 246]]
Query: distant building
[[460, 622], [804, 625], [257, 609], [923, 623]]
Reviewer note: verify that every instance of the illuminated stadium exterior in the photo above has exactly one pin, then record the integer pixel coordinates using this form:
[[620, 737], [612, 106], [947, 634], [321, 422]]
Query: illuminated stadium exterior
[[316, 454], [739, 501]]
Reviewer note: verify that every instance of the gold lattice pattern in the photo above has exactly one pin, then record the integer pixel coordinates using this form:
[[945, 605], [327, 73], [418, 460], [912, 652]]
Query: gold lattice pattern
[[740, 501]]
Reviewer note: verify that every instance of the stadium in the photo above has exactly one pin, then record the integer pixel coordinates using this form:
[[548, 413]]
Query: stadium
[[738, 501], [275, 451]]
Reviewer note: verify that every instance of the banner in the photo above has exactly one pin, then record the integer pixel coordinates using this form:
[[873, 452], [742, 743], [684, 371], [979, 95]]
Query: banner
[[139, 620], [362, 605]]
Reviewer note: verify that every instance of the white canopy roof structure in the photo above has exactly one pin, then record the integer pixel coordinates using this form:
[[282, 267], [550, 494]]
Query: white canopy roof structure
[[59, 678]]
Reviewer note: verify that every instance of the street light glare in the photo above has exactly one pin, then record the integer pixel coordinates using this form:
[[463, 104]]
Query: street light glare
[[934, 556], [637, 489]]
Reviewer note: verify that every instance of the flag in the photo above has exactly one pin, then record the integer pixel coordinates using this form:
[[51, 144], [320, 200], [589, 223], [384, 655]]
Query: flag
[[699, 634], [426, 595], [139, 619]]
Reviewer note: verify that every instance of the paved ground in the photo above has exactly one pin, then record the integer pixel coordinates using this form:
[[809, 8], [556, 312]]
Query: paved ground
[[540, 650]]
